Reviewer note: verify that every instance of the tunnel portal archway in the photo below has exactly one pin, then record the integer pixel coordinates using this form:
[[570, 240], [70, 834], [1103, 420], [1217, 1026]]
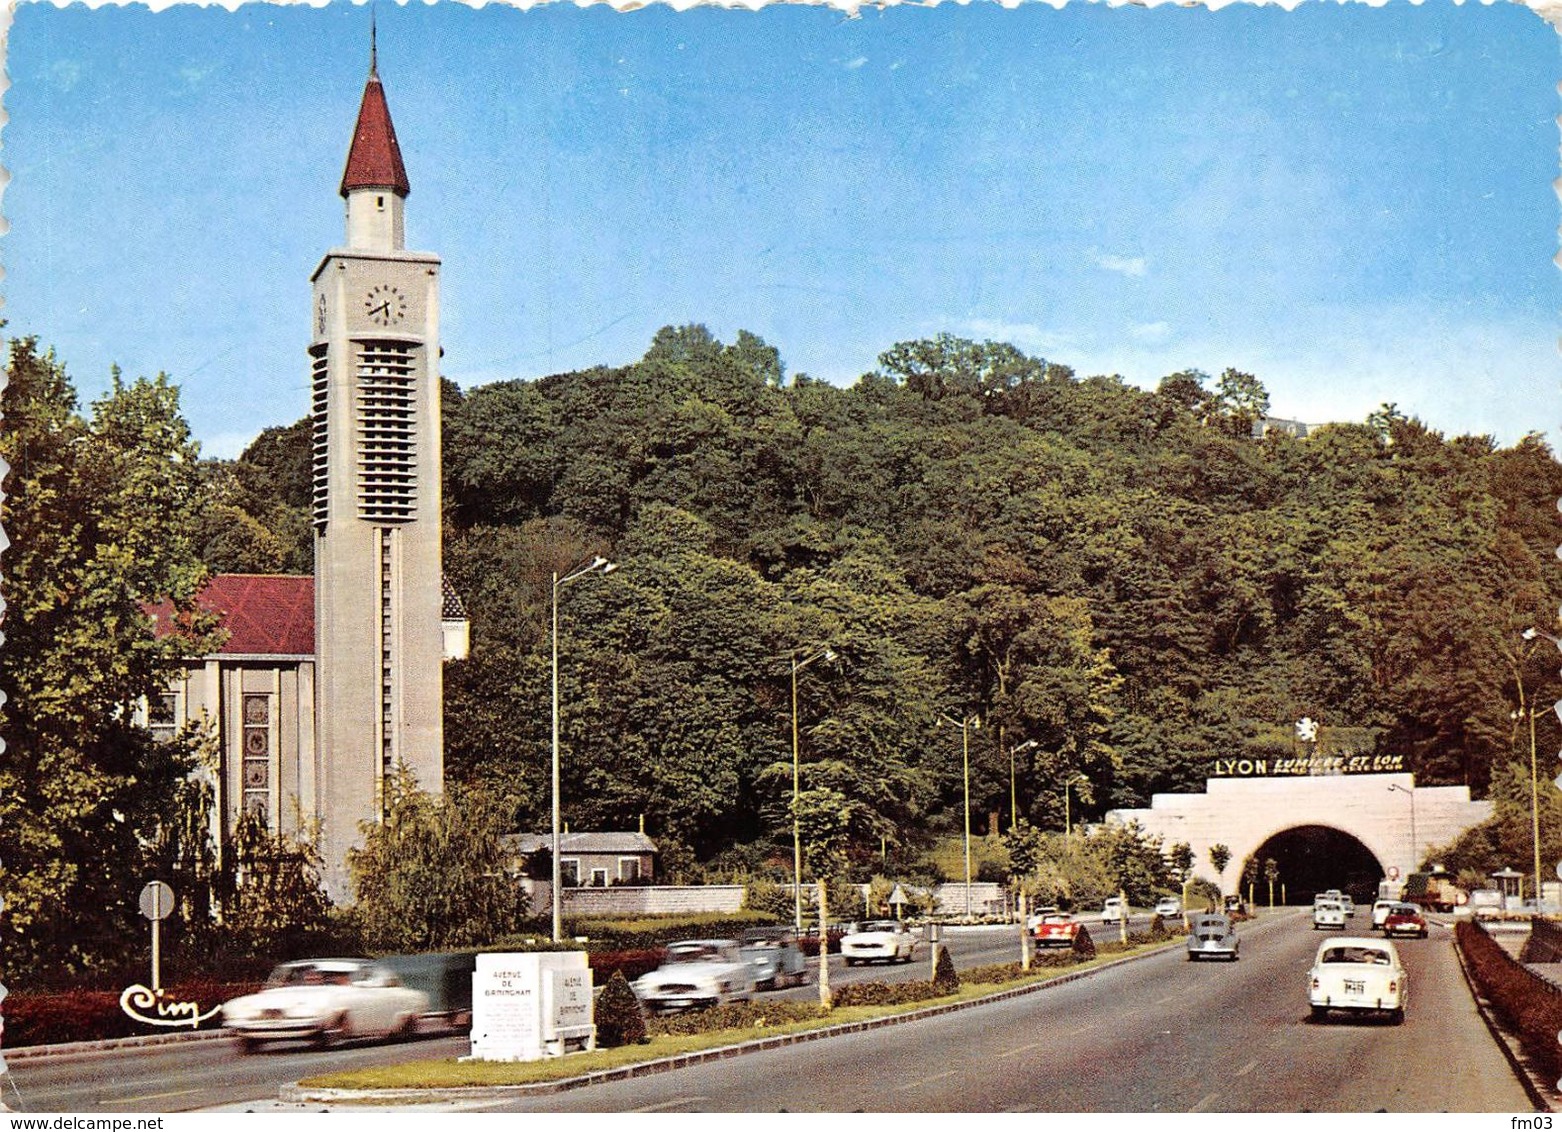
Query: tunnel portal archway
[[1312, 858]]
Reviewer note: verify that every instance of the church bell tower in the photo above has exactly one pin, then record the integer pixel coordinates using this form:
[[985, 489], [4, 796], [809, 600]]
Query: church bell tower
[[374, 368]]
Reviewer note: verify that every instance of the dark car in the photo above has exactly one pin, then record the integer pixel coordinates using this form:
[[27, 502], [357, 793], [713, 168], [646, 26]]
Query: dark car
[[446, 978], [1405, 919], [777, 959]]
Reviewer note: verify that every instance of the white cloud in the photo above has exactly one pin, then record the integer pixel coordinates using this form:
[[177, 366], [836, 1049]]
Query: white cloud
[[1151, 331], [1133, 266], [1026, 336], [857, 63]]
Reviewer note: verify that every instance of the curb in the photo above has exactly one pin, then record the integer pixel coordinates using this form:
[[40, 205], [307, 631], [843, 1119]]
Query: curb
[[296, 1093], [104, 1045], [1540, 1090]]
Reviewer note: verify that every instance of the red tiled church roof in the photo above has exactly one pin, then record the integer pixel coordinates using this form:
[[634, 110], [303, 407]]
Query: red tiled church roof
[[374, 161], [263, 614]]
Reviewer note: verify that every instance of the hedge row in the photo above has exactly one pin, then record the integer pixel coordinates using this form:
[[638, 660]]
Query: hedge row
[[80, 1016], [1529, 1003], [733, 1016], [658, 931]]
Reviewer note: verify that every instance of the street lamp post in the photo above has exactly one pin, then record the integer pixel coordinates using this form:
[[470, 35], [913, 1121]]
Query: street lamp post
[[797, 829], [1414, 844], [965, 724], [1527, 710], [596, 564], [1014, 798], [1072, 780]]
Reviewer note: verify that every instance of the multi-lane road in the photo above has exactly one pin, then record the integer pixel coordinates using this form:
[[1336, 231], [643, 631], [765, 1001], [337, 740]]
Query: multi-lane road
[[1155, 1034]]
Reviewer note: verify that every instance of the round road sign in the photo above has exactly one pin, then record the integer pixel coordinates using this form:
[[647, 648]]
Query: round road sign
[[157, 900]]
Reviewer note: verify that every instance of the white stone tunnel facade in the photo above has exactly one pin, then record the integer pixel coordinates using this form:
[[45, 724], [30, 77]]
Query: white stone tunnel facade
[[1395, 821]]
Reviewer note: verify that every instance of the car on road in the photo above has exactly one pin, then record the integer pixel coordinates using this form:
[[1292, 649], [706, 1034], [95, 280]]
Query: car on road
[[884, 941], [778, 960], [1359, 975], [1168, 906], [1328, 914], [1211, 936], [1235, 905], [696, 973], [1348, 906], [1405, 919], [1380, 910], [325, 1001], [1056, 929], [1112, 910]]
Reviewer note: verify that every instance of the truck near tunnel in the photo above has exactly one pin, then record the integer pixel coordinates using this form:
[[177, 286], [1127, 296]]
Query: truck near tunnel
[[1434, 891]]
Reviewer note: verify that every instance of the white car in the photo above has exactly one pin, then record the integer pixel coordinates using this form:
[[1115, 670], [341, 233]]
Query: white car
[[1360, 975], [1380, 911], [696, 973], [1168, 906], [1328, 914], [885, 941], [1348, 906], [325, 1001], [1112, 910]]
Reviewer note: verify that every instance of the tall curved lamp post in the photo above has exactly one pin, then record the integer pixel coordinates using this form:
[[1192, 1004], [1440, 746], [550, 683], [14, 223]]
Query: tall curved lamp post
[[1014, 797], [1526, 711], [966, 724], [827, 655], [1414, 845], [597, 564]]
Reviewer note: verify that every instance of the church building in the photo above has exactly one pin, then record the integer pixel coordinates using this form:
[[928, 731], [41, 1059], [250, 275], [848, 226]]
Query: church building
[[328, 683]]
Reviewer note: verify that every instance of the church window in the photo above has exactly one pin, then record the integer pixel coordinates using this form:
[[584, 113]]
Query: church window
[[387, 431], [256, 768], [163, 716]]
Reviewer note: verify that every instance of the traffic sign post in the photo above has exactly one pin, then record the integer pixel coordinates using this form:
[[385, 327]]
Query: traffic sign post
[[157, 900]]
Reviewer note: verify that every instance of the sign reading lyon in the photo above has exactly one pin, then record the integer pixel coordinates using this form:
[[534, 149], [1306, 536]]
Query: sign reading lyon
[[1309, 764]]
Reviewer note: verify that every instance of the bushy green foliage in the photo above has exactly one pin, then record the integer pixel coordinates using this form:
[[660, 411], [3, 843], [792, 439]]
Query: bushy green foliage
[[432, 876], [619, 1019], [873, 992], [657, 931]]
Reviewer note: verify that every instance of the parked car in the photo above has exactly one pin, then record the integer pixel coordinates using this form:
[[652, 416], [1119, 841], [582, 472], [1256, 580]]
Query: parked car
[[1168, 906], [1328, 914], [1405, 919], [325, 1001], [1212, 936], [777, 960], [1359, 975], [888, 941], [1056, 929], [1112, 910], [1380, 911], [697, 972]]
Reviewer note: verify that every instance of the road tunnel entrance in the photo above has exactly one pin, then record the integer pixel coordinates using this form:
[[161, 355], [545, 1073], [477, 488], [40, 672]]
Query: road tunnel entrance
[[1312, 858]]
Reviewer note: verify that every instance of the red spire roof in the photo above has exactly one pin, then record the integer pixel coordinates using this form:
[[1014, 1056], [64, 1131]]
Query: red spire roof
[[374, 161]]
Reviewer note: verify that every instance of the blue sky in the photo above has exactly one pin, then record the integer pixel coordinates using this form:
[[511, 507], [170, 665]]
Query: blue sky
[[1355, 203]]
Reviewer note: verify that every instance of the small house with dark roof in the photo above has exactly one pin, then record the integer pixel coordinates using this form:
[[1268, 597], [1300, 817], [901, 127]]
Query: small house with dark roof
[[591, 859]]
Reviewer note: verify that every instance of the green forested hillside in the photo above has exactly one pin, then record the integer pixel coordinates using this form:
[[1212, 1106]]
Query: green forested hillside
[[1127, 578]]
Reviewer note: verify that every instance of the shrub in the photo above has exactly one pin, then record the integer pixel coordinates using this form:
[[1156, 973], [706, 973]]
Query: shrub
[[995, 973], [875, 993], [619, 1019], [732, 1016], [1530, 1003], [1158, 927], [80, 1016], [944, 977], [1084, 947]]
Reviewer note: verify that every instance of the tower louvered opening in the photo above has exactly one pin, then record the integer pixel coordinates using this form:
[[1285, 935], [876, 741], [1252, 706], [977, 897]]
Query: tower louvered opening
[[387, 432], [319, 381]]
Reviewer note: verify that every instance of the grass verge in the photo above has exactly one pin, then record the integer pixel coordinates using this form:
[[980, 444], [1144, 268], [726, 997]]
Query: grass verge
[[449, 1073]]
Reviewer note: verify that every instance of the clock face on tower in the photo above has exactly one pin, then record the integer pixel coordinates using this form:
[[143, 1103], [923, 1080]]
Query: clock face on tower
[[385, 305]]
